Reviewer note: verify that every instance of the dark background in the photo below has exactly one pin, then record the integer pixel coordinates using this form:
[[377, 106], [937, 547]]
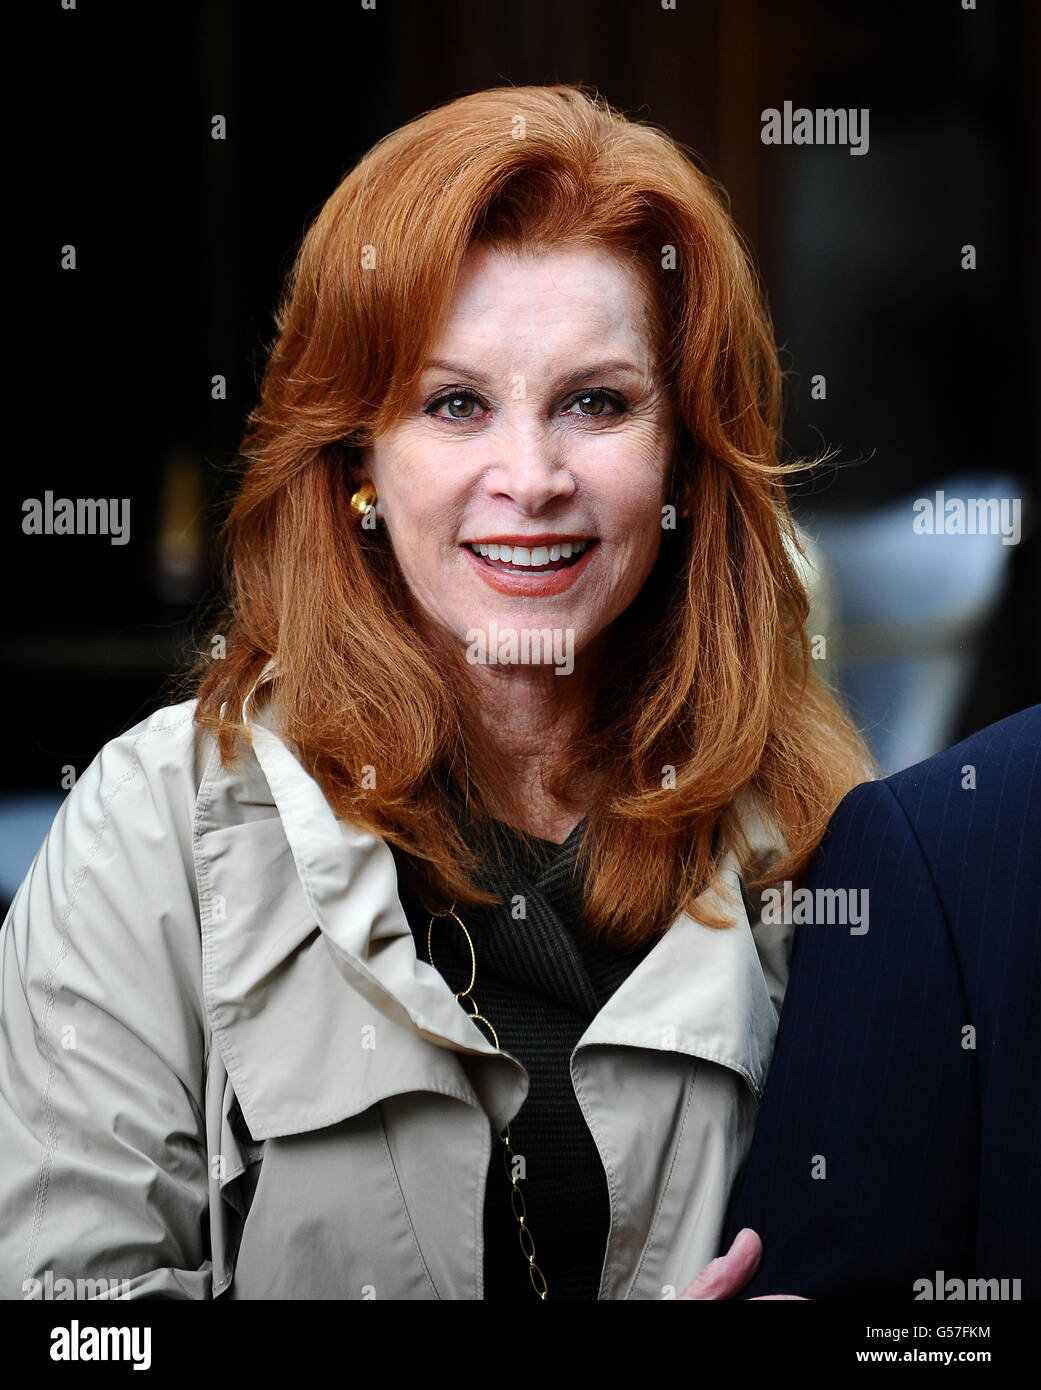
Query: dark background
[[182, 243]]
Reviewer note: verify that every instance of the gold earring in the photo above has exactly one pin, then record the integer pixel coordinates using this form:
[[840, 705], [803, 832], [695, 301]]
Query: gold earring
[[363, 501]]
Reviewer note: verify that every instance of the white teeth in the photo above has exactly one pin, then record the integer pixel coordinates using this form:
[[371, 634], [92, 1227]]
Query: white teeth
[[535, 558]]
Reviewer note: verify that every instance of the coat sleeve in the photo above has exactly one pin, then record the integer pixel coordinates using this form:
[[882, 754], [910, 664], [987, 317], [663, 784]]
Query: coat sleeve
[[863, 1173], [103, 1051]]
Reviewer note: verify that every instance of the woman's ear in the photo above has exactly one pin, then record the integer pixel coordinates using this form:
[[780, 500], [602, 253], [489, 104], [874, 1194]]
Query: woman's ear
[[679, 490], [360, 488], [362, 458]]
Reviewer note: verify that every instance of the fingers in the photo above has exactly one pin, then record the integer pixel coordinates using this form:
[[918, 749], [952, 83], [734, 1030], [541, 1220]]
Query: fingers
[[727, 1275]]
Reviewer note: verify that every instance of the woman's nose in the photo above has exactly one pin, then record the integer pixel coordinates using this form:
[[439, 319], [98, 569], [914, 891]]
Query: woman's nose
[[530, 469]]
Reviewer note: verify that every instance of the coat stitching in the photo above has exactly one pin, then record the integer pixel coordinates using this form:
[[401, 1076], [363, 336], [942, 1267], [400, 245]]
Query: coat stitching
[[609, 1173], [401, 1198], [688, 1102]]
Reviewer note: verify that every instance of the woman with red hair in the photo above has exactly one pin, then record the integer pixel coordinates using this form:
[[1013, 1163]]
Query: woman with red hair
[[417, 953]]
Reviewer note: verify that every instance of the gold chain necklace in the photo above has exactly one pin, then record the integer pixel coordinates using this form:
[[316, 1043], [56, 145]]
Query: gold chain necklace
[[517, 1203]]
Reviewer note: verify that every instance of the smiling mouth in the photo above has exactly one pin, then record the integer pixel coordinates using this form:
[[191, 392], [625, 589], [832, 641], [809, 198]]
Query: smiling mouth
[[540, 559]]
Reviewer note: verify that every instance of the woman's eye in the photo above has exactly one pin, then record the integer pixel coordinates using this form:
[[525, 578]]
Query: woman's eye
[[464, 405], [461, 405], [599, 403]]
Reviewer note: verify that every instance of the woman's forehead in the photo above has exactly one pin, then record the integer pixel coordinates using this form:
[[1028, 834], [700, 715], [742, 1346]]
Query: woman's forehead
[[572, 299]]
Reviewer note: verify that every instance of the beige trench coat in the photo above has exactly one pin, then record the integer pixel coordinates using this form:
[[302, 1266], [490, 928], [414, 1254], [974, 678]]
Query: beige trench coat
[[224, 1071]]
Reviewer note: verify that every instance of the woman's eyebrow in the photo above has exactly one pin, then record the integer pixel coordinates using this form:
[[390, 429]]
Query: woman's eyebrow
[[619, 367]]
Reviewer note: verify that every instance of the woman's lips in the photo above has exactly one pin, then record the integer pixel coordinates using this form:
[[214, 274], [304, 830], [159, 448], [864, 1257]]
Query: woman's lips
[[525, 583]]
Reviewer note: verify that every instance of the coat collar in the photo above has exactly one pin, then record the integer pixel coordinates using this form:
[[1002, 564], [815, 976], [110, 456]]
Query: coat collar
[[286, 889], [701, 991]]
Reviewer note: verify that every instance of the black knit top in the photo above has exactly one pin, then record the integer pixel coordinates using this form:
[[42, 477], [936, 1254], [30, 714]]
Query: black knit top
[[539, 983]]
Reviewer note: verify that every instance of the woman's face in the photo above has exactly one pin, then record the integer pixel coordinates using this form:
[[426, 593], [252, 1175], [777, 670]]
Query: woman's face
[[540, 423]]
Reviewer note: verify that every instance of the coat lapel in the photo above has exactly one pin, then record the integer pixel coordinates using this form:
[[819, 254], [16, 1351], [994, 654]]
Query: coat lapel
[[702, 991], [316, 997]]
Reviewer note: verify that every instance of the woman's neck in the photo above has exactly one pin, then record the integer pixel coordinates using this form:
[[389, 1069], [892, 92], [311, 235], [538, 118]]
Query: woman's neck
[[534, 718]]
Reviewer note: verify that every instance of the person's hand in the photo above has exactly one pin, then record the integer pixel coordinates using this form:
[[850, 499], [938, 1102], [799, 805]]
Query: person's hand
[[725, 1276]]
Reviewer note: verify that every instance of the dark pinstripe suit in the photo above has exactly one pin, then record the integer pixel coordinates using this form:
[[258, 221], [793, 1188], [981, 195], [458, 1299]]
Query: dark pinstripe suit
[[929, 1132]]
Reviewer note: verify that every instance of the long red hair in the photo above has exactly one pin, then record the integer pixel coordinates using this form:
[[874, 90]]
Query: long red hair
[[711, 700]]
